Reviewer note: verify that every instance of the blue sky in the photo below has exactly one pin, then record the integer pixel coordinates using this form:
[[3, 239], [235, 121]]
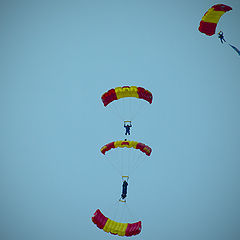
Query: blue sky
[[58, 58]]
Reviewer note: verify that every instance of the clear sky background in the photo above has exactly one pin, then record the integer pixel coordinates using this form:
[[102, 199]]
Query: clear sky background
[[58, 58]]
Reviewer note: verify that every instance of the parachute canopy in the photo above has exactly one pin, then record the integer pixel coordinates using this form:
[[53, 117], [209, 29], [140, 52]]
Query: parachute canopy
[[210, 19], [116, 228], [126, 91], [128, 144]]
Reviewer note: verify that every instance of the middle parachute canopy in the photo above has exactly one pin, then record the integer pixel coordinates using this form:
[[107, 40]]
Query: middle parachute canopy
[[124, 157], [128, 144]]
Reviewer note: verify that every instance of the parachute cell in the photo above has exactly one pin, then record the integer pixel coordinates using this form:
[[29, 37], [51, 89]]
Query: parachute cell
[[126, 91], [128, 144], [116, 228], [211, 17]]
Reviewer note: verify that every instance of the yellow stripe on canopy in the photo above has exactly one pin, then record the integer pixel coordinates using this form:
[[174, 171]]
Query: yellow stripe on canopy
[[122, 92], [212, 16], [115, 227]]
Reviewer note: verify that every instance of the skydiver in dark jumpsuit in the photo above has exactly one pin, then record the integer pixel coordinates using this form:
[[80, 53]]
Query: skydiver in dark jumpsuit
[[127, 128], [124, 189], [221, 37]]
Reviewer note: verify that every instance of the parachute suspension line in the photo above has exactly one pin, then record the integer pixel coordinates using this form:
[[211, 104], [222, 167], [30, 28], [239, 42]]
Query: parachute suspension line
[[132, 158], [129, 212], [116, 168], [131, 107], [140, 109], [116, 206], [122, 162], [122, 213], [127, 162], [118, 213], [115, 109], [127, 108], [137, 162], [134, 107], [114, 164]]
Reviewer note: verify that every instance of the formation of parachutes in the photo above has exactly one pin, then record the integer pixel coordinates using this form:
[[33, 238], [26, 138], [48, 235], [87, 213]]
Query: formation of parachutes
[[210, 20], [131, 151], [121, 95]]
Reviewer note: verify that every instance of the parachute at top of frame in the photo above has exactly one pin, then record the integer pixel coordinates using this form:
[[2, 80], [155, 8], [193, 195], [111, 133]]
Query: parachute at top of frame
[[116, 228], [210, 19], [126, 91], [129, 144]]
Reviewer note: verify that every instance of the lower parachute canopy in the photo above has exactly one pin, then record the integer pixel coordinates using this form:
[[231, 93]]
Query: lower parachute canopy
[[116, 228]]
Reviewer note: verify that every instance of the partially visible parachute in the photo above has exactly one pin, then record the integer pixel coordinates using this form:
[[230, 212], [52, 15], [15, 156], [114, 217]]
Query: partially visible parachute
[[116, 228], [210, 19], [128, 144]]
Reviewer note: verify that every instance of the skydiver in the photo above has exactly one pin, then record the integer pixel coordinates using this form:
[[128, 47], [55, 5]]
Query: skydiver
[[127, 128], [124, 189], [221, 37]]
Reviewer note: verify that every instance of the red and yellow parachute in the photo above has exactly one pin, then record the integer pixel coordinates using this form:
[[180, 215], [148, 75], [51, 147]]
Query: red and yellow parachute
[[210, 19], [128, 144], [116, 228], [126, 91]]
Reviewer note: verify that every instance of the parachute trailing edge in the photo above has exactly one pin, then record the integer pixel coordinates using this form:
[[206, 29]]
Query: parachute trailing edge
[[210, 19], [116, 228]]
